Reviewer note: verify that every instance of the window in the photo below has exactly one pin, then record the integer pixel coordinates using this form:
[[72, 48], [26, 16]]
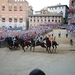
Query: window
[[59, 7], [56, 21], [15, 8], [34, 20], [10, 19], [21, 8], [3, 8], [48, 20], [21, 19], [55, 7], [15, 19], [10, 8], [31, 20], [3, 19], [62, 7], [37, 20], [40, 16], [41, 20], [52, 20], [53, 17]]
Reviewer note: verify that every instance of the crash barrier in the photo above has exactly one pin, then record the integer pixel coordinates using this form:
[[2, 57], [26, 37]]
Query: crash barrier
[[3, 43]]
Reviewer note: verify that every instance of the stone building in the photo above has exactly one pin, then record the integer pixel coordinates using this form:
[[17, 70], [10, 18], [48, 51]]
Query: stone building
[[61, 9], [45, 19], [14, 13]]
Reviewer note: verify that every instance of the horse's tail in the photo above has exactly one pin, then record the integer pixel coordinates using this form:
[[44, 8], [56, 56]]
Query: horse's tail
[[56, 43]]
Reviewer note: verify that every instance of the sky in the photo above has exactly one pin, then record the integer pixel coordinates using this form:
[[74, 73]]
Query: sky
[[40, 4]]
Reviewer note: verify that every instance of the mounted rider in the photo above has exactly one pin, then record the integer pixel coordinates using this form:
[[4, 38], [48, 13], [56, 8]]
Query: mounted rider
[[36, 40], [51, 39], [25, 40]]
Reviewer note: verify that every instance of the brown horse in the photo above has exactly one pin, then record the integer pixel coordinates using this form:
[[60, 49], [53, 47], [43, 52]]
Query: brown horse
[[33, 44], [21, 42], [48, 44]]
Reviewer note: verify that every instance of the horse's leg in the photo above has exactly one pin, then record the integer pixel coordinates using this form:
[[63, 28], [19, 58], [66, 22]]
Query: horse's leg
[[30, 48], [27, 47], [53, 48], [50, 49], [46, 48], [23, 48], [33, 48]]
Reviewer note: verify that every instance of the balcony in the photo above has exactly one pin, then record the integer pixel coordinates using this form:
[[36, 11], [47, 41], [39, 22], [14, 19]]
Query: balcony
[[20, 9], [3, 20], [10, 10], [3, 9], [10, 21], [20, 21], [69, 11], [15, 9]]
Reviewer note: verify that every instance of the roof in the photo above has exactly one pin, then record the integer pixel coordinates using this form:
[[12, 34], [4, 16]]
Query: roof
[[57, 6], [52, 14]]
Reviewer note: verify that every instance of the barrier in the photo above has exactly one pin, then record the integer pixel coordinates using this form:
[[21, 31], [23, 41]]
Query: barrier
[[3, 43]]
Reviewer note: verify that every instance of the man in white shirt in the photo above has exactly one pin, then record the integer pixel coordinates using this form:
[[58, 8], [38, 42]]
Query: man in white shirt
[[52, 33], [59, 33], [66, 33]]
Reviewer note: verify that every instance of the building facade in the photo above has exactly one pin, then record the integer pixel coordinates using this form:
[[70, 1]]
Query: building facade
[[45, 19], [13, 13], [62, 9]]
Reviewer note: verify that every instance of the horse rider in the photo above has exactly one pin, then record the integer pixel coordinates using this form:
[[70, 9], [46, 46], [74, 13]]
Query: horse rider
[[36, 40], [51, 39], [18, 37], [14, 39], [25, 40]]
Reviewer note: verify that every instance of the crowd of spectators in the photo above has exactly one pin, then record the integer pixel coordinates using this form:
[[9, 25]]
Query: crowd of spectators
[[35, 31], [71, 29]]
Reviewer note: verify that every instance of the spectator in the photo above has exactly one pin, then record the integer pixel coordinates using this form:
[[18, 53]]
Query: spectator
[[52, 33], [66, 33], [59, 33]]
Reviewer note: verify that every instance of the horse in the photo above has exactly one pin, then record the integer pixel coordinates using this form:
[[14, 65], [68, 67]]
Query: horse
[[22, 44], [10, 43], [33, 44], [48, 44]]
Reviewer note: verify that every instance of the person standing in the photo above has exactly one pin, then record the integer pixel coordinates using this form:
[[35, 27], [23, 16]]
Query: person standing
[[59, 33], [52, 33], [66, 33]]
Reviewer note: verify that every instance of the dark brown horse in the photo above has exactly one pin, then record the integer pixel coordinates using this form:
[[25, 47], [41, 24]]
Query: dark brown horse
[[21, 42], [48, 44], [33, 44], [10, 43]]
